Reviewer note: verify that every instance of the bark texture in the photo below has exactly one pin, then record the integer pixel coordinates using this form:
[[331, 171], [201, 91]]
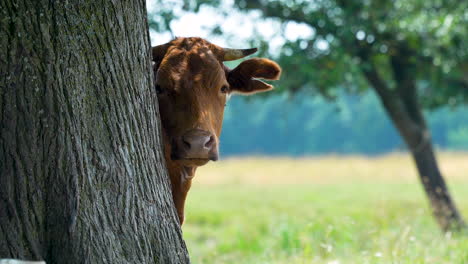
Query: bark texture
[[82, 174]]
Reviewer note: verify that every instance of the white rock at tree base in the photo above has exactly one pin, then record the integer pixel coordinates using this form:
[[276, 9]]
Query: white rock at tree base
[[17, 261]]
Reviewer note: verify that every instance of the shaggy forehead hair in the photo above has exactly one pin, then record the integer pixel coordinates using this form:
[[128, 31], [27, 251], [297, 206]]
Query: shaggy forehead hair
[[186, 62]]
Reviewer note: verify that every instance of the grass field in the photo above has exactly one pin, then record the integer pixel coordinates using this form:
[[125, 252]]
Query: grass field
[[331, 210]]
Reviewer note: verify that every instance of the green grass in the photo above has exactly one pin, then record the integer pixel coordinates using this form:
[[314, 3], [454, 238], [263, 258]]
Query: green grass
[[353, 222]]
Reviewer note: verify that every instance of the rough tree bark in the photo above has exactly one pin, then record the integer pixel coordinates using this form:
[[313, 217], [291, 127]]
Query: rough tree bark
[[82, 175], [401, 104]]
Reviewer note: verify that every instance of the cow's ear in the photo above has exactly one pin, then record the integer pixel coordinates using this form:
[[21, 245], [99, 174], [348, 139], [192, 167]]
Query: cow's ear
[[244, 79]]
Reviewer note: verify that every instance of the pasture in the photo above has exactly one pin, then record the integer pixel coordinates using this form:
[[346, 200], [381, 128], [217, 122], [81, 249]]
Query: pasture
[[330, 209]]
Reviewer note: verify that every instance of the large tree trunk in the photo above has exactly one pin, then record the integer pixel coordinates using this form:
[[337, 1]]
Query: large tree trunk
[[401, 104], [82, 175]]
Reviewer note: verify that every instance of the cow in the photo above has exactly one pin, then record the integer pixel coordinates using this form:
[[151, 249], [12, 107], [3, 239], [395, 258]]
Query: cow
[[193, 86]]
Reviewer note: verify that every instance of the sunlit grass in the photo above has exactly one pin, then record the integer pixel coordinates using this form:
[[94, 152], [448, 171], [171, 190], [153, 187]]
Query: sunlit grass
[[321, 210]]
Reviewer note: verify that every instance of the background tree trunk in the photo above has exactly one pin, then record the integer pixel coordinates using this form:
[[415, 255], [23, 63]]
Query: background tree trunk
[[444, 209], [419, 142], [82, 175], [402, 106]]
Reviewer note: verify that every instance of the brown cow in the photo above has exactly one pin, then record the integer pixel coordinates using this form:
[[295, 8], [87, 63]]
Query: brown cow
[[193, 85]]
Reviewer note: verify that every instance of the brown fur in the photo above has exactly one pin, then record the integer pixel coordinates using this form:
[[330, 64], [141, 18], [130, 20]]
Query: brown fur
[[190, 75]]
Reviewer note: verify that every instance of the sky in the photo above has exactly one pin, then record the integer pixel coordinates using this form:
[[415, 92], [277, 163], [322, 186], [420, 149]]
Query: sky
[[238, 27]]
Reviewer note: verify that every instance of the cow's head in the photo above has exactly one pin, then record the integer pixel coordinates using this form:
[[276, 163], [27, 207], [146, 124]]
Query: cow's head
[[193, 86]]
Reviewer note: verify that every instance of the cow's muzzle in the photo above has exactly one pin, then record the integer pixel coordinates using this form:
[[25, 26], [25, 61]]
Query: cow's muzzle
[[195, 146]]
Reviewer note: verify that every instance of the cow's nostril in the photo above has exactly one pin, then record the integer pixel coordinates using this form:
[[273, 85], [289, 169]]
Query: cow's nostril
[[210, 142], [186, 144]]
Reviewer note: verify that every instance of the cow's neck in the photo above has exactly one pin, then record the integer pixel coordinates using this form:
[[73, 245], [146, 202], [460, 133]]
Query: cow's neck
[[181, 181]]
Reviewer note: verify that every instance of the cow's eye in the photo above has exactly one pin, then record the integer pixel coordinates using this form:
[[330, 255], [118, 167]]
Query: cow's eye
[[159, 90], [224, 89]]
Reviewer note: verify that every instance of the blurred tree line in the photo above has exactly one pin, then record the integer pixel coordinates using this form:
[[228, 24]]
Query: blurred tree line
[[289, 125]]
